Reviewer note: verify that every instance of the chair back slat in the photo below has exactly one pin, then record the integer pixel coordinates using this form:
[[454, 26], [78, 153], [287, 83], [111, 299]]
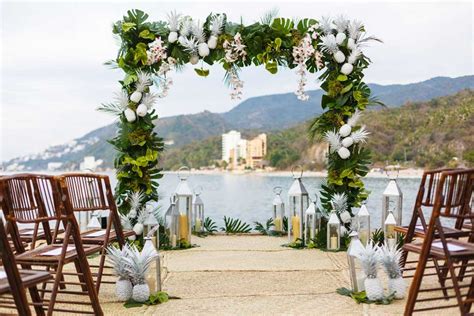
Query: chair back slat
[[86, 192], [457, 193]]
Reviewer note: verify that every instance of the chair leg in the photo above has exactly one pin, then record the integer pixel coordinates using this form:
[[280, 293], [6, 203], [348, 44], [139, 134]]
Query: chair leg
[[54, 291], [442, 273], [36, 298], [100, 270], [94, 298], [80, 276]]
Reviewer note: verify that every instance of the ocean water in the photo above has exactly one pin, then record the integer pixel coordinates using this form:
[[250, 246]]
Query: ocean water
[[249, 196]]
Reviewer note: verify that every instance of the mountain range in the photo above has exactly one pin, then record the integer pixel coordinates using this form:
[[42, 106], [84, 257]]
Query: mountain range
[[263, 113]]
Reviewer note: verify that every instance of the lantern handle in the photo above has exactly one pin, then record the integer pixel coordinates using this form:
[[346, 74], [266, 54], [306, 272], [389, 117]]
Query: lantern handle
[[277, 190], [198, 190], [391, 176], [296, 168], [180, 175]]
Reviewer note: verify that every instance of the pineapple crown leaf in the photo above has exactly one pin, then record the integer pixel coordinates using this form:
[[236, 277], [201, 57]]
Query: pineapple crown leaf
[[135, 200], [369, 259], [361, 135], [118, 260], [138, 263], [173, 21], [190, 45], [334, 140], [390, 259], [125, 221], [339, 201], [329, 43], [198, 32], [326, 25]]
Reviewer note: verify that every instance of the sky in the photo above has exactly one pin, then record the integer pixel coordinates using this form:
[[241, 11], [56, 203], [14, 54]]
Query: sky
[[52, 75]]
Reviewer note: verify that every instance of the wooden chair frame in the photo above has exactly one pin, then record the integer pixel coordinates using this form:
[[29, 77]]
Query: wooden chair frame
[[452, 196], [17, 202]]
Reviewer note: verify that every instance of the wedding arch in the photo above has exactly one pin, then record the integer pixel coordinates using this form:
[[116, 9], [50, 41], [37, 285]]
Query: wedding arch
[[149, 51]]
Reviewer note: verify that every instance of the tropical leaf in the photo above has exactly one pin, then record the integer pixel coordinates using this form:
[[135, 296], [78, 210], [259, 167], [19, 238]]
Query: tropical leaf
[[209, 225], [283, 25], [235, 226]]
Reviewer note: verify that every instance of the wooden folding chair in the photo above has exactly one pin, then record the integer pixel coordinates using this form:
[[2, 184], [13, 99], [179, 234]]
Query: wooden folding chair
[[92, 193], [452, 197], [21, 203], [16, 281]]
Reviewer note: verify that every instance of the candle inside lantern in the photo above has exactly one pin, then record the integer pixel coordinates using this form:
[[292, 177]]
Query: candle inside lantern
[[333, 244], [197, 225], [173, 240], [183, 227], [278, 224], [295, 225], [390, 234], [363, 236]]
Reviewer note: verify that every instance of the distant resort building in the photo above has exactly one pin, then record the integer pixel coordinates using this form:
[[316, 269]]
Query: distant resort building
[[242, 153], [90, 163]]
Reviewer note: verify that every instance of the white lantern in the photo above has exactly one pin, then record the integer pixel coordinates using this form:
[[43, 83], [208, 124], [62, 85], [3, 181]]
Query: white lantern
[[149, 224], [333, 232], [363, 223], [172, 223], [356, 273], [299, 202], [198, 214], [184, 204], [310, 223], [94, 222], [389, 230], [392, 194], [153, 274], [278, 210]]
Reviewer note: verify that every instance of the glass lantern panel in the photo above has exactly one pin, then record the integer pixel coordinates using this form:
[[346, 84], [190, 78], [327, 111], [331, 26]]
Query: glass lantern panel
[[333, 237]]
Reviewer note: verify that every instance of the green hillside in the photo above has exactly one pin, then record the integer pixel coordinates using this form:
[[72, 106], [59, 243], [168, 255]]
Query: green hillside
[[423, 134]]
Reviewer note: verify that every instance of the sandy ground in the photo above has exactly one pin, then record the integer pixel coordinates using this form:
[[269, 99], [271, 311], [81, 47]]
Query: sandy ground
[[254, 275]]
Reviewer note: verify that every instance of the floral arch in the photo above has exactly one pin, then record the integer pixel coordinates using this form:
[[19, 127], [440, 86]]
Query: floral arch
[[149, 51]]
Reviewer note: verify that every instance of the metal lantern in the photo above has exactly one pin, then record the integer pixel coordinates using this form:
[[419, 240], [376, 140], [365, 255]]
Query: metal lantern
[[356, 273], [319, 215], [392, 194], [363, 223], [310, 223], [184, 204], [278, 210], [149, 224], [172, 223], [389, 230], [94, 222], [333, 232], [153, 274], [299, 202], [198, 214]]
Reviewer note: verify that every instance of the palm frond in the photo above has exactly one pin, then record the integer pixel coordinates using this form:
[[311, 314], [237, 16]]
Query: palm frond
[[341, 22], [210, 226], [149, 100], [135, 200], [329, 44], [110, 108], [217, 24], [198, 32], [326, 25], [235, 226], [190, 45], [334, 140], [186, 26], [173, 21], [354, 28], [352, 121], [144, 79]]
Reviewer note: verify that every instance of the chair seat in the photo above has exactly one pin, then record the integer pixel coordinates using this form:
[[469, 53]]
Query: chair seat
[[438, 252], [26, 235], [97, 236], [40, 255], [448, 232], [29, 278]]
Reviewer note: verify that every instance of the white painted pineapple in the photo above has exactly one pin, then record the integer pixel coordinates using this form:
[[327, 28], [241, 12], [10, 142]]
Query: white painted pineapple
[[123, 286], [138, 264], [369, 261], [390, 258]]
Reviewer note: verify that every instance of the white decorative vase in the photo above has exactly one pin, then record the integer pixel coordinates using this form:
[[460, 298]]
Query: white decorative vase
[[397, 286], [141, 292], [373, 289], [123, 289]]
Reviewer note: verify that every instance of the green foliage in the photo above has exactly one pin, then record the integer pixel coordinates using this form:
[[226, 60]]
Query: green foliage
[[210, 226], [264, 230], [154, 299], [235, 226], [361, 297], [378, 237], [285, 224]]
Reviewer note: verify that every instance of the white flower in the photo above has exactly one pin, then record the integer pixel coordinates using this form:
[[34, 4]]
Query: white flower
[[236, 84], [156, 51], [333, 139], [340, 37], [301, 54], [345, 130], [346, 69], [347, 142], [344, 153], [136, 96], [339, 57], [129, 115], [361, 135], [203, 50], [142, 110]]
